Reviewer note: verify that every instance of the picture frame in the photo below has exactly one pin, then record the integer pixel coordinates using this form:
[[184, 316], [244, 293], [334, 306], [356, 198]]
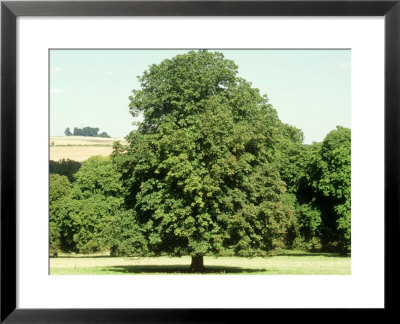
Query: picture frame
[[10, 10]]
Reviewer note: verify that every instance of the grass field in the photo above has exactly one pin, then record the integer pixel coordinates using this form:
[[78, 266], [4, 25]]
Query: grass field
[[290, 263], [80, 148]]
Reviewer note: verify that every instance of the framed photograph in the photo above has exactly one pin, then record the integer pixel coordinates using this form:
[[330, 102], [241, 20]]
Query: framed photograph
[[275, 123]]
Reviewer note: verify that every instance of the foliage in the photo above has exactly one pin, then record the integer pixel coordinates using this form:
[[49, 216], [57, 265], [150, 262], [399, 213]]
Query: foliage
[[83, 217], [291, 156], [83, 222], [98, 175], [327, 187], [335, 185], [309, 217], [199, 170], [65, 167], [125, 236], [60, 187], [319, 176]]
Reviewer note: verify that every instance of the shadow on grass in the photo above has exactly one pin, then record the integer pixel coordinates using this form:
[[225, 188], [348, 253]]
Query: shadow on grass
[[184, 269]]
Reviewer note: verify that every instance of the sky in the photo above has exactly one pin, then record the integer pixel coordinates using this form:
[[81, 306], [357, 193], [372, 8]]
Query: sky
[[310, 89]]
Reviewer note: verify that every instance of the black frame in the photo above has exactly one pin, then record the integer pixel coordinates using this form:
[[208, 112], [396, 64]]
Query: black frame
[[10, 10]]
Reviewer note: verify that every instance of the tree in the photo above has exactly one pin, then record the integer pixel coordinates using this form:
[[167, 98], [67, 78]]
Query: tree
[[65, 167], [59, 188], [83, 213], [335, 185], [291, 156], [88, 131], [124, 237], [67, 132], [77, 132], [98, 175], [84, 222], [325, 190], [104, 134], [96, 197], [200, 170]]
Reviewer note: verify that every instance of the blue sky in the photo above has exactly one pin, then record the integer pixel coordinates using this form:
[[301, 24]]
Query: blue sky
[[310, 89]]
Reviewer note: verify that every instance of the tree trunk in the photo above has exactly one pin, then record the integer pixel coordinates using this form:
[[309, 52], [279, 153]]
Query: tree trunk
[[197, 264]]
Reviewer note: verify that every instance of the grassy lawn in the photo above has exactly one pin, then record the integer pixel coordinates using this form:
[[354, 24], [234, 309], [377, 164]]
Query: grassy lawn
[[290, 263]]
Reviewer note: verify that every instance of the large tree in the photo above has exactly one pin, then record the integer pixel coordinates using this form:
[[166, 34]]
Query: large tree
[[201, 170]]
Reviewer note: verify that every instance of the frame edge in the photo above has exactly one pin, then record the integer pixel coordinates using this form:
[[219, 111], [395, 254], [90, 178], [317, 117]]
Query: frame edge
[[392, 151], [8, 268]]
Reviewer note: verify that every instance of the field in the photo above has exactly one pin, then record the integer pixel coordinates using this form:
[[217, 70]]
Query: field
[[290, 263], [80, 148]]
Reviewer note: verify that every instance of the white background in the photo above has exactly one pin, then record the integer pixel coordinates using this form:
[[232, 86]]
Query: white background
[[363, 288]]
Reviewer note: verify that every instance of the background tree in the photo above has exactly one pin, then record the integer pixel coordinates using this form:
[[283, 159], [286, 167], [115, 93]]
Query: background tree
[[126, 237], [89, 131], [98, 175], [67, 132], [65, 167], [77, 132], [294, 160], [335, 186], [84, 214], [85, 222], [200, 170], [104, 134], [291, 156], [60, 187], [326, 189]]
